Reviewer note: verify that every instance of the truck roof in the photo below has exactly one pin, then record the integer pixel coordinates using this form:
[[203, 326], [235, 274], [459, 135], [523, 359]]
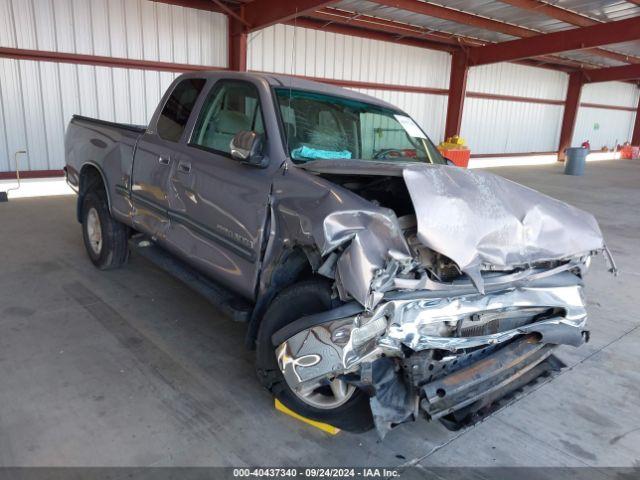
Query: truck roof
[[296, 83]]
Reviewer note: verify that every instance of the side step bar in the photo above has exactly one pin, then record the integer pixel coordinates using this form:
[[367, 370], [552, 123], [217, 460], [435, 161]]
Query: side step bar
[[233, 306]]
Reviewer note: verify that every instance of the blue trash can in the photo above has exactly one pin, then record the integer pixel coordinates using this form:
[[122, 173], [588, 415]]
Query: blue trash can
[[575, 159]]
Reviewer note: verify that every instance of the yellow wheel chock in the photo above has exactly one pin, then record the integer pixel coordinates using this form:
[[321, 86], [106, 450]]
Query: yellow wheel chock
[[325, 427]]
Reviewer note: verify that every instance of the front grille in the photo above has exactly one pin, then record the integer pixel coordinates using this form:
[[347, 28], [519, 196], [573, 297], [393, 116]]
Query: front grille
[[488, 323]]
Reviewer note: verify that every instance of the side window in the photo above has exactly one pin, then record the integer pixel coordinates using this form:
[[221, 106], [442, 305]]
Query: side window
[[176, 111], [230, 108]]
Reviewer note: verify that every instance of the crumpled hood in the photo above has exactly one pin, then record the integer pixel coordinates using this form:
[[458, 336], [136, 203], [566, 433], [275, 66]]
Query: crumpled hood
[[476, 218]]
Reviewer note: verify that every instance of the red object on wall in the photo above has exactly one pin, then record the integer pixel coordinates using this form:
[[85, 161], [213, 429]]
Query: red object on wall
[[458, 156]]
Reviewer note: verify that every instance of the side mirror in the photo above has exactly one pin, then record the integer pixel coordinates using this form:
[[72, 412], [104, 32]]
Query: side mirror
[[247, 147]]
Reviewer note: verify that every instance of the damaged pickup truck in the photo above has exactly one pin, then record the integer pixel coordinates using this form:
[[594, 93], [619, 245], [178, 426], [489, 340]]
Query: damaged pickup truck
[[379, 283]]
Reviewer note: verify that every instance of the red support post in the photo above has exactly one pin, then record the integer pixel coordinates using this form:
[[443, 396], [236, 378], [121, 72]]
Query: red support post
[[571, 104], [457, 91], [635, 138], [237, 45]]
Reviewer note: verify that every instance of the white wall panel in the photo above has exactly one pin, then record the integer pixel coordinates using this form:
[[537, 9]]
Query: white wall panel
[[12, 110], [314, 53], [603, 127], [610, 93], [37, 99], [36, 121], [136, 29], [498, 126], [518, 80]]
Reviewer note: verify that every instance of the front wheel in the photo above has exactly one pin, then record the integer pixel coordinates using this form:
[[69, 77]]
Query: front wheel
[[335, 402], [105, 239]]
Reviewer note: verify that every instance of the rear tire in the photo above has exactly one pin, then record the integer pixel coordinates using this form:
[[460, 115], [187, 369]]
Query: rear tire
[[105, 239], [304, 298]]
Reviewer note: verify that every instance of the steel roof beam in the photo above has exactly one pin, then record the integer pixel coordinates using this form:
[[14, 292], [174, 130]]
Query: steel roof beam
[[264, 13], [344, 17], [354, 31], [556, 42], [402, 30], [566, 16], [458, 16], [612, 74], [572, 18]]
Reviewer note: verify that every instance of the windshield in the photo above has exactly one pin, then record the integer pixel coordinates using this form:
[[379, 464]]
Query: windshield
[[325, 127]]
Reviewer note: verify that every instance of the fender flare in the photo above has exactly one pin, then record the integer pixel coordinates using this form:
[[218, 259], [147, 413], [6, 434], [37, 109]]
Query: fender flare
[[82, 190], [291, 263]]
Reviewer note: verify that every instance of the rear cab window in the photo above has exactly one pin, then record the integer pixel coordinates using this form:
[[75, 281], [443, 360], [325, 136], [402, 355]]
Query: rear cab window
[[175, 114]]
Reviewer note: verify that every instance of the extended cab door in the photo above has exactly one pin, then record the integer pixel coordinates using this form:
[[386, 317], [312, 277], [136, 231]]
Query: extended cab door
[[155, 158], [220, 204]]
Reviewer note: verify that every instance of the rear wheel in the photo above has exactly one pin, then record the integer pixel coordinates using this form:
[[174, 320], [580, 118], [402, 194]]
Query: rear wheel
[[335, 401], [105, 239]]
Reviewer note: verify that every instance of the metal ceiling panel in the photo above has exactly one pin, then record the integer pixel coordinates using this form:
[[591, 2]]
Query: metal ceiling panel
[[506, 13], [432, 23], [584, 56], [602, 10]]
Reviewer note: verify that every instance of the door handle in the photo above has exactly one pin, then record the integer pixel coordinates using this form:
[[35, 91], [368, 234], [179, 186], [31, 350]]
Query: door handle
[[184, 167], [164, 160]]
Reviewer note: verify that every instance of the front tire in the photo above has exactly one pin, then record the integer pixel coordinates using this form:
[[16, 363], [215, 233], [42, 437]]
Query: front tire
[[351, 412], [105, 239]]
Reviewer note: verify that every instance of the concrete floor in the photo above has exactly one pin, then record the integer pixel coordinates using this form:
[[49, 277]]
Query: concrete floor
[[130, 367]]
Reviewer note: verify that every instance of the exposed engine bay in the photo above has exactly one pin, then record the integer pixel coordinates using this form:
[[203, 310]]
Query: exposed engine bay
[[392, 193], [456, 287]]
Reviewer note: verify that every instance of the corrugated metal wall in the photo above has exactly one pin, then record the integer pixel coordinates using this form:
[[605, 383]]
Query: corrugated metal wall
[[503, 126], [606, 127], [314, 53], [38, 98]]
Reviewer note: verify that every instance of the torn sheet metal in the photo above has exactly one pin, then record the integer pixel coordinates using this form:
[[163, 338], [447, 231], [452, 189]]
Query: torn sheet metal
[[393, 402], [340, 346], [374, 237], [478, 219], [313, 211]]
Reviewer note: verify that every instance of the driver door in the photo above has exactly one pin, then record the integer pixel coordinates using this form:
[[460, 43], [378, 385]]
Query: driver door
[[220, 203]]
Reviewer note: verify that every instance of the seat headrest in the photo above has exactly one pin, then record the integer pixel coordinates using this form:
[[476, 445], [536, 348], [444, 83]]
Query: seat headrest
[[231, 122]]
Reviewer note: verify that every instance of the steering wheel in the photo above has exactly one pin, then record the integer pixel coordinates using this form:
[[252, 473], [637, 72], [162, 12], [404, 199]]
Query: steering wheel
[[388, 153]]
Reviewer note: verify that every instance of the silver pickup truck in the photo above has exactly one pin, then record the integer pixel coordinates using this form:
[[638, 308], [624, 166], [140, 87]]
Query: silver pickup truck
[[378, 282]]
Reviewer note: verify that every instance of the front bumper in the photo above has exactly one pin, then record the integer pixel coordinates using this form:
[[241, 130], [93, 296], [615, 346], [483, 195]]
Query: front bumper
[[486, 380], [323, 346], [425, 352]]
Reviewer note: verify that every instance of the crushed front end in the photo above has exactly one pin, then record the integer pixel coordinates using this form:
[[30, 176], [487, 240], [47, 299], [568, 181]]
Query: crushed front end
[[435, 352], [451, 299]]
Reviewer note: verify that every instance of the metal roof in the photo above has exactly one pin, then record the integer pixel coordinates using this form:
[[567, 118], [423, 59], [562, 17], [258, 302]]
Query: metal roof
[[535, 22]]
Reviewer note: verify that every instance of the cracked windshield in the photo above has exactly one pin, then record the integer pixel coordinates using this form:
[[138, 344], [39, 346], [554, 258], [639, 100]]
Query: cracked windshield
[[326, 127]]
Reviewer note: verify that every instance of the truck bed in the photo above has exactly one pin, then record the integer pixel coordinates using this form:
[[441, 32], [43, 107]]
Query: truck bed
[[107, 147], [126, 126]]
